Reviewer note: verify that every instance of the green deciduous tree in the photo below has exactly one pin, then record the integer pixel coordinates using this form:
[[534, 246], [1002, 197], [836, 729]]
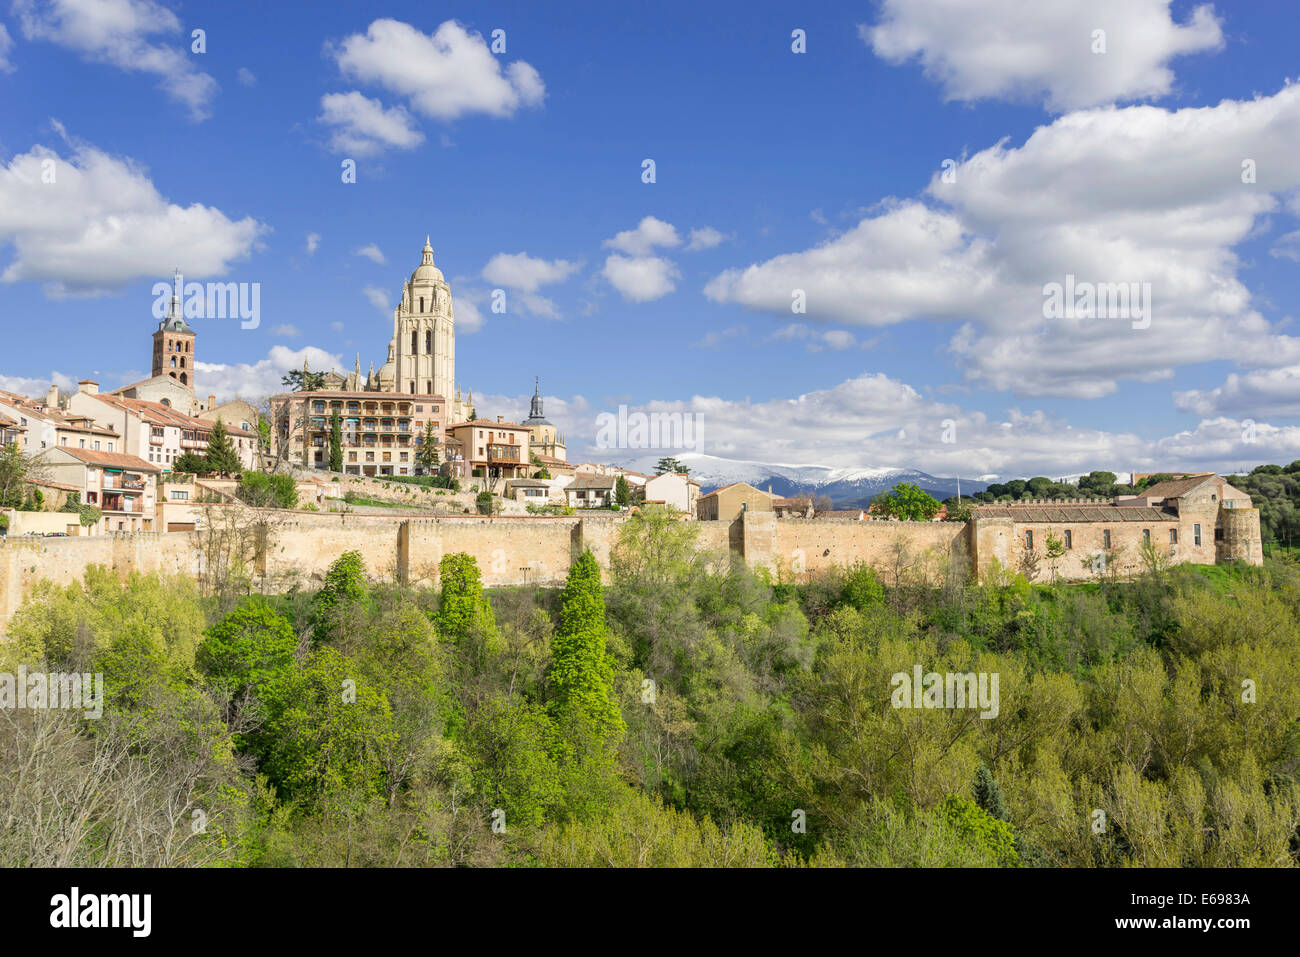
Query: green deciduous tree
[[191, 463], [327, 733], [245, 649], [343, 600], [464, 612], [908, 502]]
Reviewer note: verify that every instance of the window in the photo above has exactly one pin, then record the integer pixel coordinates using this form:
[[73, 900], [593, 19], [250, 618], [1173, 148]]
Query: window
[[422, 304], [1218, 534], [1105, 538], [428, 341], [1069, 538], [1029, 539], [82, 443], [96, 445], [1196, 534], [1173, 536], [415, 345], [1146, 535], [110, 446]]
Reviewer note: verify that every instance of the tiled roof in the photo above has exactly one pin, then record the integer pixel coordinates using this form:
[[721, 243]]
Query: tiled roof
[[359, 396], [733, 485], [585, 481], [526, 483], [1065, 514], [1176, 487], [488, 424], [112, 460]]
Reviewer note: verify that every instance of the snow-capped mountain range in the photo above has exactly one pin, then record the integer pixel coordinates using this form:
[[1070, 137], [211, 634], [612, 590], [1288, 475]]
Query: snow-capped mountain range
[[847, 488]]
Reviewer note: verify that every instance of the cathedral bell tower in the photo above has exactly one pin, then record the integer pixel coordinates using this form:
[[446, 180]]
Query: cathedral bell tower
[[173, 343], [422, 353]]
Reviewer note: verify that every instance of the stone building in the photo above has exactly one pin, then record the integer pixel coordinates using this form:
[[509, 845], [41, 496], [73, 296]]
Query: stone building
[[727, 503], [158, 434], [381, 433], [490, 449], [1199, 519], [676, 489], [122, 487]]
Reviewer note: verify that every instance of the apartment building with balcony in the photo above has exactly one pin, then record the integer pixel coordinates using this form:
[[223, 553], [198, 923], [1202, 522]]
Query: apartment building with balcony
[[491, 449], [382, 432], [156, 433], [123, 487]]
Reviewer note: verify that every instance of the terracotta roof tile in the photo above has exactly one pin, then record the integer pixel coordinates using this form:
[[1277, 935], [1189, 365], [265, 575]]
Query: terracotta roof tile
[[113, 460]]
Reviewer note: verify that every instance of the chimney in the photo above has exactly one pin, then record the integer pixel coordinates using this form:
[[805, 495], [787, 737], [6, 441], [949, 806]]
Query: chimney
[[212, 402], [52, 397], [88, 386], [501, 418]]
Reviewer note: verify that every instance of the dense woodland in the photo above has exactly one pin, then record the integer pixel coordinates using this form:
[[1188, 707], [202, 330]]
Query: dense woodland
[[689, 712]]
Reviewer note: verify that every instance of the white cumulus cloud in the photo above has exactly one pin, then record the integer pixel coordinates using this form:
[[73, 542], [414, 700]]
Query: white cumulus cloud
[[641, 278], [90, 223], [364, 127], [444, 75], [1027, 49], [118, 32]]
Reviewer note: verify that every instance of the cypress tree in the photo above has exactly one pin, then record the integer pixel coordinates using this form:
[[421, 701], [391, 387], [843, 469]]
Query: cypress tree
[[581, 673], [336, 442], [988, 795]]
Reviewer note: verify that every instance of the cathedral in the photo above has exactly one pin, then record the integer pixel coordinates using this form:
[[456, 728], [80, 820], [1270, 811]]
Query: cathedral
[[422, 352]]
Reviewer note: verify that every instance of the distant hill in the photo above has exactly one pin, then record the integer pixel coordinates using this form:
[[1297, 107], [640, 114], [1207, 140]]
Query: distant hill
[[847, 488]]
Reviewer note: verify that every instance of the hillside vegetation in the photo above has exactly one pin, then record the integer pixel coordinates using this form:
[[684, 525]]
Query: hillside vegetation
[[673, 717]]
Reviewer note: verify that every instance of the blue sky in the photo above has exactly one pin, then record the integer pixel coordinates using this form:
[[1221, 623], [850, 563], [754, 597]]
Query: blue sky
[[775, 171]]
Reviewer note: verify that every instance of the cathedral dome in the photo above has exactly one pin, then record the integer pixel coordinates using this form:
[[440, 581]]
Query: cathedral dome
[[427, 272]]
